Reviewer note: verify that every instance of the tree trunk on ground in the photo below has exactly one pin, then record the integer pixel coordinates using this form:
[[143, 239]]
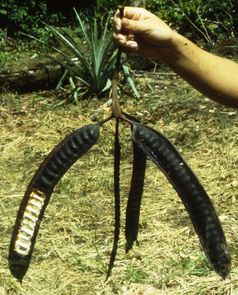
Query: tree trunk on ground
[[35, 76]]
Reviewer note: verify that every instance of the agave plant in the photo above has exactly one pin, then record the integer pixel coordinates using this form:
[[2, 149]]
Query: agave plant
[[89, 54]]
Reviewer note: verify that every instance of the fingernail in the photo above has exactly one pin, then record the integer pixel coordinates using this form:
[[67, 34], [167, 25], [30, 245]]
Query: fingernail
[[125, 22], [122, 42], [132, 44]]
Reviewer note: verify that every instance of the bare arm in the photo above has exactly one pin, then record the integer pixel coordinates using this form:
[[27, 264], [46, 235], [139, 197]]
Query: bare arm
[[143, 33], [212, 75]]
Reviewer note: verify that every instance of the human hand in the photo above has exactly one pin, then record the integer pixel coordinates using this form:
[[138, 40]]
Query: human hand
[[142, 32]]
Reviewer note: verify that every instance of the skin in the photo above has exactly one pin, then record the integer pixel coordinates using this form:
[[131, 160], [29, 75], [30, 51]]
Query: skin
[[143, 33]]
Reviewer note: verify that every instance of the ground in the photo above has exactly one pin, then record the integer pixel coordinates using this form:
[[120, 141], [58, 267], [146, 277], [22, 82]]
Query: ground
[[75, 238]]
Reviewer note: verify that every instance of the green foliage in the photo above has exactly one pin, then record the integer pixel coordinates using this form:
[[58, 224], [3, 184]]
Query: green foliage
[[25, 16], [105, 5], [198, 19], [90, 52], [136, 275], [207, 19], [3, 59]]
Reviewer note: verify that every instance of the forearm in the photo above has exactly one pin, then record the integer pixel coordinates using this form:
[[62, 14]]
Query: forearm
[[212, 75]]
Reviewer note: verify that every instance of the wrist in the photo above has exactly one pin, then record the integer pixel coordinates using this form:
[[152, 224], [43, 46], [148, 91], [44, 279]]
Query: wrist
[[175, 48]]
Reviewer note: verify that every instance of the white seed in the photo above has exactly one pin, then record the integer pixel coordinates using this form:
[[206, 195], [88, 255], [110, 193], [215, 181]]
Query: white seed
[[27, 230], [36, 203], [30, 217], [21, 250], [38, 196], [33, 210], [22, 246], [28, 224]]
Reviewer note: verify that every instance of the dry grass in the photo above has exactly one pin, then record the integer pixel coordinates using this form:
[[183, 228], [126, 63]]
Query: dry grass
[[75, 239]]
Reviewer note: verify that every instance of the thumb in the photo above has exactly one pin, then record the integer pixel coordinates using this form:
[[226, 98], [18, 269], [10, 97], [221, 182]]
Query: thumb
[[133, 26]]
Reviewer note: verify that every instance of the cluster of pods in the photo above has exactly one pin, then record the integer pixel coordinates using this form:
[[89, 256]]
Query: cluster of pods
[[147, 142]]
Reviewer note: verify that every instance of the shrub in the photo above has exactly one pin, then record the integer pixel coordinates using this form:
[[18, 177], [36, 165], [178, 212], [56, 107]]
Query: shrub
[[198, 18], [207, 19], [22, 17], [91, 55]]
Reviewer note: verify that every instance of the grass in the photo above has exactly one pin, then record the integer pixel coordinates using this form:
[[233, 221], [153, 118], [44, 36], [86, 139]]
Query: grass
[[75, 239]]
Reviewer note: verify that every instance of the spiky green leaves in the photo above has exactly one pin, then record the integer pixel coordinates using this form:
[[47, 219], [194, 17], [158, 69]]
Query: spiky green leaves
[[90, 53]]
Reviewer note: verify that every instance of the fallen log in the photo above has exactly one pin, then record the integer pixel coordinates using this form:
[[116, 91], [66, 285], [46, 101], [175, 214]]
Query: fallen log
[[39, 75]]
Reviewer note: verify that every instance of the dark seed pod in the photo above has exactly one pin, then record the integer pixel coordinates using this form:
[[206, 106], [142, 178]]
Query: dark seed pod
[[38, 194], [191, 192], [135, 196], [136, 191], [117, 159]]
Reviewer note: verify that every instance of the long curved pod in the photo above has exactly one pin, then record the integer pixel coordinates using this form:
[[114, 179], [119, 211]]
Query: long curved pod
[[135, 196], [39, 191], [194, 197], [136, 191]]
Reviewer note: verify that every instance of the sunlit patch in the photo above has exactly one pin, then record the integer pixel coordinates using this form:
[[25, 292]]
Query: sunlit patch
[[29, 221]]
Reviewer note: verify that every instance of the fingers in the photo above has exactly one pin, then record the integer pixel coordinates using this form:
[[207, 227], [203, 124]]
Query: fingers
[[117, 21], [130, 26], [136, 46], [126, 41], [135, 13], [133, 26], [121, 37], [130, 13]]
